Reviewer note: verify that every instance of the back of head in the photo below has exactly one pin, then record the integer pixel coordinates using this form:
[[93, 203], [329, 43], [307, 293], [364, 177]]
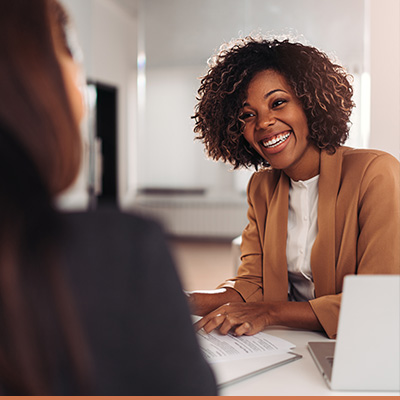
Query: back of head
[[33, 103], [40, 149]]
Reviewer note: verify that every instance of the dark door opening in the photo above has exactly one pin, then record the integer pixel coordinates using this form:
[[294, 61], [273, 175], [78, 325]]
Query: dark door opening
[[106, 133]]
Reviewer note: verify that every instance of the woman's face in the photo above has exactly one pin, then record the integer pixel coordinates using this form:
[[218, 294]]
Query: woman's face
[[275, 125], [72, 75]]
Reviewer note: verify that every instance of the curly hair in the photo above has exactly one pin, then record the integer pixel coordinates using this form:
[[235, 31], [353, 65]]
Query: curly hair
[[322, 87]]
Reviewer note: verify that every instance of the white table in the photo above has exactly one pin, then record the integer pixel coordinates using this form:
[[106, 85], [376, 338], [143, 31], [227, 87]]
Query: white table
[[298, 378]]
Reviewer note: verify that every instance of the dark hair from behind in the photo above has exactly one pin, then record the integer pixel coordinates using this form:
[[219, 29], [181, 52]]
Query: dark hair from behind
[[29, 236], [33, 99], [322, 87], [40, 152]]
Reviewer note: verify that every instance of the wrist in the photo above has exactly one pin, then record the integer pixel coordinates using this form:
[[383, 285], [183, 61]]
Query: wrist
[[202, 302], [274, 314], [293, 314]]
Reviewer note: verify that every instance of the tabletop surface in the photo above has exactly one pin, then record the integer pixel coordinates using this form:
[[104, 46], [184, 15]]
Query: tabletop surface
[[298, 378]]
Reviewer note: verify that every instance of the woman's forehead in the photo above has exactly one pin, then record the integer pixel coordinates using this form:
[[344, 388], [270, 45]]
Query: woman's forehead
[[266, 82]]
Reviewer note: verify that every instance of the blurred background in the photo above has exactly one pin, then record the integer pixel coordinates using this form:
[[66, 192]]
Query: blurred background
[[143, 60]]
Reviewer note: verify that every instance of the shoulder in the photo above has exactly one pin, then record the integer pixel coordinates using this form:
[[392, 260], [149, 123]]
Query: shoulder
[[116, 251], [364, 158], [109, 223], [125, 288], [368, 168], [353, 165], [110, 237]]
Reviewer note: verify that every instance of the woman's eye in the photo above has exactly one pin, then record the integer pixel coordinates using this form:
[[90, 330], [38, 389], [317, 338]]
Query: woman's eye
[[278, 103], [246, 115]]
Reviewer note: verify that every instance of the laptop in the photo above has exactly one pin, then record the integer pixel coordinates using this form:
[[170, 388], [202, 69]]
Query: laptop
[[365, 355]]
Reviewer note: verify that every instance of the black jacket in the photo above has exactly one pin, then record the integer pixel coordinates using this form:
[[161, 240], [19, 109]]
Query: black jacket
[[134, 313]]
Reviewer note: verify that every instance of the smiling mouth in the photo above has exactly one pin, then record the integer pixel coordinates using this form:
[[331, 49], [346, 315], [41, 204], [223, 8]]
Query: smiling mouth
[[276, 140]]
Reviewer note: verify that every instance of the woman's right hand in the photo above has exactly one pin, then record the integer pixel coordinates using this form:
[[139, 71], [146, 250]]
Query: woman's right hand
[[202, 302]]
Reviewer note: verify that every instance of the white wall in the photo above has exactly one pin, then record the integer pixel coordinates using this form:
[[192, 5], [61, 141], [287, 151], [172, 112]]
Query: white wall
[[179, 37], [384, 25], [169, 156], [108, 36]]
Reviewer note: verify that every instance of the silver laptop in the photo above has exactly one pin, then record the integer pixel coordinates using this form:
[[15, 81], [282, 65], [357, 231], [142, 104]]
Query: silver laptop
[[365, 355]]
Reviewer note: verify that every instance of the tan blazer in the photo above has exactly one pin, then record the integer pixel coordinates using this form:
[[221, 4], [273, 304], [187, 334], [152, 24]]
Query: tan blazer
[[358, 230]]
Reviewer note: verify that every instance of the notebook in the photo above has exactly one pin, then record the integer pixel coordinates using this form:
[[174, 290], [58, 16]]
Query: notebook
[[365, 355]]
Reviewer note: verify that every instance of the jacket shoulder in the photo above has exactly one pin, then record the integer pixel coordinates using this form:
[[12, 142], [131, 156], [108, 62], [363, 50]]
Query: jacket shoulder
[[366, 156]]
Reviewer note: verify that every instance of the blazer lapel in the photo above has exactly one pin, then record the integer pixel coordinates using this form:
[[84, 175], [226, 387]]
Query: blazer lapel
[[323, 251], [275, 264]]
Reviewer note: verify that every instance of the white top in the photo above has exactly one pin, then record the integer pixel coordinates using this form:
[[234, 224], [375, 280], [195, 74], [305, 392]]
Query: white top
[[301, 234]]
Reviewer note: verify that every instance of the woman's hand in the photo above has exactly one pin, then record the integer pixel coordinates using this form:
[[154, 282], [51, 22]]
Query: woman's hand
[[202, 302], [241, 318], [251, 318]]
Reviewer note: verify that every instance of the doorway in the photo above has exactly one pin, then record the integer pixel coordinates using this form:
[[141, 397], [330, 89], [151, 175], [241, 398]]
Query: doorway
[[103, 144]]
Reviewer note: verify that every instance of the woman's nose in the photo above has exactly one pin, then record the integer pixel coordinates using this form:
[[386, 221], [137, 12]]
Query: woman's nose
[[265, 119]]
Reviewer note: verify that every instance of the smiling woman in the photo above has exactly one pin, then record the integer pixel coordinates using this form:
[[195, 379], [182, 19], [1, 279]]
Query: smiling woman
[[321, 87], [274, 121], [316, 213]]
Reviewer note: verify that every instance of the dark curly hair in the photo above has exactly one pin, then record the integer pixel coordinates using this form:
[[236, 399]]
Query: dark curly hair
[[322, 87]]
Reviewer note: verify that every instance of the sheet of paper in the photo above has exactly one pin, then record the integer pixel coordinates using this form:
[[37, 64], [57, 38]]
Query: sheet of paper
[[217, 347], [232, 372], [234, 359]]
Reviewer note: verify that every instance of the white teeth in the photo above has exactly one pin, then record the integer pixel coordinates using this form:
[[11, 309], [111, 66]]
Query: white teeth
[[276, 140]]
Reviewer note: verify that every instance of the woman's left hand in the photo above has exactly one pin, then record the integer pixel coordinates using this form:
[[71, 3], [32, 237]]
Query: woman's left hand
[[241, 318]]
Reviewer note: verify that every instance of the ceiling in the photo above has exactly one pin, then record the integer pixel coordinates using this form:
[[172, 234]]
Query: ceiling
[[129, 6], [187, 32]]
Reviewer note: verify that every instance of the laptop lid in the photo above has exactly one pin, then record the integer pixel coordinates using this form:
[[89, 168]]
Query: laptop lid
[[323, 355], [368, 340]]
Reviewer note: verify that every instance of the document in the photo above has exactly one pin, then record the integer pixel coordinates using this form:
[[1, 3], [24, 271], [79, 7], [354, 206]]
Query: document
[[235, 359], [217, 347]]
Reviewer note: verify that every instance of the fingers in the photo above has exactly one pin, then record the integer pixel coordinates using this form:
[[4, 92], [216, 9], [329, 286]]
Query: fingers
[[198, 325], [225, 324], [238, 318], [245, 329], [213, 320], [229, 323], [210, 322]]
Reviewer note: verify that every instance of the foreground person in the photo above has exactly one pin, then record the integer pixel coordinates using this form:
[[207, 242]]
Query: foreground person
[[77, 316]]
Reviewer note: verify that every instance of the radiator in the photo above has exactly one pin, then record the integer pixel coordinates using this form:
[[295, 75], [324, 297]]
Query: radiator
[[196, 216]]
